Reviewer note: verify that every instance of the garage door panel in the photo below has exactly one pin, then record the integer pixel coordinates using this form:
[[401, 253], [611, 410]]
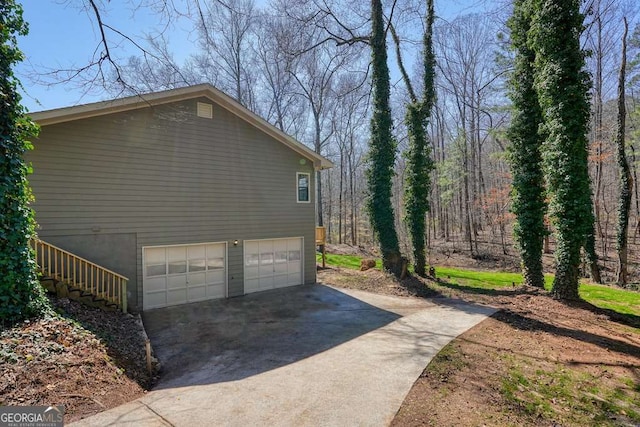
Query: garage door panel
[[155, 255], [176, 282], [294, 279], [176, 296], [252, 272], [176, 253], [196, 252], [197, 293], [155, 284], [215, 277], [266, 246], [180, 274], [280, 245], [294, 244], [281, 281], [155, 299], [215, 291], [280, 269], [294, 267], [251, 247], [197, 279], [266, 270], [251, 285], [266, 283]]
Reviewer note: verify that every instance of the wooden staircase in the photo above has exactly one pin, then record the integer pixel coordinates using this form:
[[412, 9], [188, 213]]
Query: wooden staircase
[[70, 276]]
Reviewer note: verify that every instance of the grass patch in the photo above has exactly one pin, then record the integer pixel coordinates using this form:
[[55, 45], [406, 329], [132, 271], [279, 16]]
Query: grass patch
[[569, 396], [447, 362], [479, 279], [343, 261], [616, 299]]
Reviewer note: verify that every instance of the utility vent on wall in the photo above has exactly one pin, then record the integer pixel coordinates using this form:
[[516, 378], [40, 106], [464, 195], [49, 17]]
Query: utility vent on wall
[[205, 110]]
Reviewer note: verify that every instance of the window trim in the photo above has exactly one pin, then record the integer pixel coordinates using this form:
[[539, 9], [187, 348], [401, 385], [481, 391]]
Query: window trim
[[308, 175]]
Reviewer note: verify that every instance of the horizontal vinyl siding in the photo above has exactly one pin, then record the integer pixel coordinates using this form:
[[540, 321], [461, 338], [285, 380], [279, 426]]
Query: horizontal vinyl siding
[[171, 178]]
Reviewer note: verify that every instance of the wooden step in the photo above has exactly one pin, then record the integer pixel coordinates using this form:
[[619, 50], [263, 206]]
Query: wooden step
[[72, 267], [64, 290]]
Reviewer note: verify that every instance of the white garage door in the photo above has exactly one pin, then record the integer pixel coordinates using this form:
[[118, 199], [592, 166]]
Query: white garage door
[[186, 273], [270, 264]]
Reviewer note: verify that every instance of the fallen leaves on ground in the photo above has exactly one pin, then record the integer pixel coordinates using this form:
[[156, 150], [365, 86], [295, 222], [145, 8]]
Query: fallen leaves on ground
[[83, 358]]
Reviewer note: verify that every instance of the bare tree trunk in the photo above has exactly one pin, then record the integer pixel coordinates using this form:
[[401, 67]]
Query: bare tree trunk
[[329, 202], [444, 209], [481, 185], [626, 181], [468, 220], [340, 185], [547, 246], [352, 195], [597, 128], [473, 174], [318, 147]]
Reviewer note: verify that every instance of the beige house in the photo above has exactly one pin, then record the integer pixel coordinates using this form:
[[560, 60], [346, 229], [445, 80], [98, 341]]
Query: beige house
[[185, 192]]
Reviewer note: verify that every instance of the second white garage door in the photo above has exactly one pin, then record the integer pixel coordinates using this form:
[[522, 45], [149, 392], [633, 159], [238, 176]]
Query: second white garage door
[[183, 273], [274, 263]]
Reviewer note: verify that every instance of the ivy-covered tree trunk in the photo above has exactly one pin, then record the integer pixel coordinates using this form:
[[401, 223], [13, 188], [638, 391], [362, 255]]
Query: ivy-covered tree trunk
[[416, 198], [525, 157], [626, 181], [419, 161], [562, 86], [20, 293], [382, 150], [590, 252]]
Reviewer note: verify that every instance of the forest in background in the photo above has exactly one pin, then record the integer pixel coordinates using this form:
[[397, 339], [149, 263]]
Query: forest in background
[[305, 67]]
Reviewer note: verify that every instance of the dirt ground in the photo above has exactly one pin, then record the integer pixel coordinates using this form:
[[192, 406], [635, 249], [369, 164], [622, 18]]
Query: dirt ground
[[83, 358], [537, 362]]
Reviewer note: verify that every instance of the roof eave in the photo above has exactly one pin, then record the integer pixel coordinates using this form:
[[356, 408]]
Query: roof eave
[[67, 114]]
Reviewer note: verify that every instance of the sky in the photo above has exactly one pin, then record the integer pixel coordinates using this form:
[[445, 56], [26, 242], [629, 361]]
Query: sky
[[62, 36]]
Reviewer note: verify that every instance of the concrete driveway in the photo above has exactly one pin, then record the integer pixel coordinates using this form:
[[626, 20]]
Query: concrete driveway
[[307, 355]]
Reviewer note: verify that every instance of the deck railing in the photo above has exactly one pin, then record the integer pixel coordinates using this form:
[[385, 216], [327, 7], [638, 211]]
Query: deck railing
[[81, 273], [321, 240], [321, 236]]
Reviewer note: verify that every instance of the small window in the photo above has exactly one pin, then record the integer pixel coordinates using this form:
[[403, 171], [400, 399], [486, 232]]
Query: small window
[[215, 263], [156, 269], [303, 187], [266, 258], [281, 257], [197, 265], [294, 255], [252, 260], [177, 267]]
